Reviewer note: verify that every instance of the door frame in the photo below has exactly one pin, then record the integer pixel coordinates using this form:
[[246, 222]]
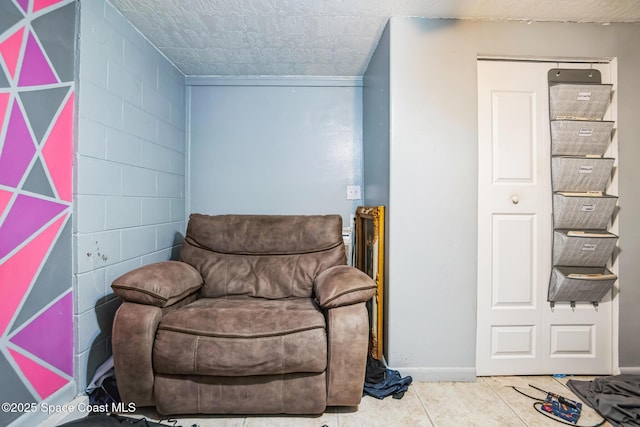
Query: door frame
[[612, 188]]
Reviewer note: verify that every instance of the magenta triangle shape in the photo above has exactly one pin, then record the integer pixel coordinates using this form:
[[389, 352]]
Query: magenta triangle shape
[[27, 216], [18, 149], [24, 4], [35, 68], [50, 335]]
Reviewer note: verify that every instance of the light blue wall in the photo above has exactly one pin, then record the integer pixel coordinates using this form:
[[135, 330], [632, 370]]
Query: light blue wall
[[276, 148], [376, 124], [433, 179], [130, 169], [376, 146]]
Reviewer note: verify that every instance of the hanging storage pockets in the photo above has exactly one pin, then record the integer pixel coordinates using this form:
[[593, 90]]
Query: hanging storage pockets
[[590, 248], [580, 137], [579, 101], [580, 178], [582, 210], [580, 173], [580, 283]]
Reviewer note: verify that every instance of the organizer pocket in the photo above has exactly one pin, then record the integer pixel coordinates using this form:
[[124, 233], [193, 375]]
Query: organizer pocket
[[580, 283], [580, 173], [591, 248], [580, 137], [578, 101], [582, 211]]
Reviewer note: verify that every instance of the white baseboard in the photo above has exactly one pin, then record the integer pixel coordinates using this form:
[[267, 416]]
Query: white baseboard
[[438, 374], [630, 370]]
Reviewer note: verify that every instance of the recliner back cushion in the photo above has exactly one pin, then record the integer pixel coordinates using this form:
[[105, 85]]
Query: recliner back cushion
[[268, 256]]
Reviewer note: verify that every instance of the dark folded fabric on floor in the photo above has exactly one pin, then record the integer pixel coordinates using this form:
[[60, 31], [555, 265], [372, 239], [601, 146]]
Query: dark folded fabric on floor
[[616, 398], [376, 370], [381, 381], [114, 420]]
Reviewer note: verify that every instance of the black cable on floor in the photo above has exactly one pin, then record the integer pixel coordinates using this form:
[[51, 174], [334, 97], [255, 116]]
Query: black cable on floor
[[525, 394]]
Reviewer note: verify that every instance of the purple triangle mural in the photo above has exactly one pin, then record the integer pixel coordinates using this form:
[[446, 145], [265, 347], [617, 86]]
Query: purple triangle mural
[[50, 335], [36, 302], [18, 149], [35, 68], [24, 4], [27, 216]]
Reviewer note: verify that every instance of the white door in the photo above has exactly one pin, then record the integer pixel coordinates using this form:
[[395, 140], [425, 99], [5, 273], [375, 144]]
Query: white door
[[517, 331]]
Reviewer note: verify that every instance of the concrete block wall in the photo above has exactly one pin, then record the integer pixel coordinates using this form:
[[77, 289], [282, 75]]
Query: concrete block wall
[[129, 184]]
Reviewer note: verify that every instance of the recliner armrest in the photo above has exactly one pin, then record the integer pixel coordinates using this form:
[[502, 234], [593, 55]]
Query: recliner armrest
[[161, 284], [343, 285]]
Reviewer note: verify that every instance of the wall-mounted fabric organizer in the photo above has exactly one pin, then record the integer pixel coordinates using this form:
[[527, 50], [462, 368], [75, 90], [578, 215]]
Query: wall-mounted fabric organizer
[[589, 284], [583, 248], [582, 211], [578, 101], [580, 173], [580, 137]]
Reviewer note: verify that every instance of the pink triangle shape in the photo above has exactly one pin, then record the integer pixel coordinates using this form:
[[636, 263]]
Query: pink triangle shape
[[17, 151], [50, 335], [27, 215], [58, 151], [10, 50], [5, 196], [4, 102], [42, 379], [18, 271], [35, 69], [41, 4]]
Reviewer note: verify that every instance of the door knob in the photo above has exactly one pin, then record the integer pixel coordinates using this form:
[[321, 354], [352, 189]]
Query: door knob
[[515, 200]]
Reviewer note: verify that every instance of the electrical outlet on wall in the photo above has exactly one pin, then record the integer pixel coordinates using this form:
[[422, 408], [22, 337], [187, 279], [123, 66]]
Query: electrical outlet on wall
[[353, 192], [347, 237]]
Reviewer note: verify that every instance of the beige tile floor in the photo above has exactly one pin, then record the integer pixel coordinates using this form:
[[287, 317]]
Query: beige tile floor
[[490, 401]]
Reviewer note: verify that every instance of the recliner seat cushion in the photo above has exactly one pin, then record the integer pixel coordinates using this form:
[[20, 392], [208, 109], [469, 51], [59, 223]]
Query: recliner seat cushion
[[242, 336]]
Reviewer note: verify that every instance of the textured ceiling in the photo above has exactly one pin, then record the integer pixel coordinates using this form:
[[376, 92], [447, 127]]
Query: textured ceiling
[[319, 37]]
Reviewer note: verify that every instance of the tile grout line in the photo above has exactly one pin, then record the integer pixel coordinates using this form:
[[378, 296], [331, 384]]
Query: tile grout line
[[562, 384], [424, 407], [505, 402]]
